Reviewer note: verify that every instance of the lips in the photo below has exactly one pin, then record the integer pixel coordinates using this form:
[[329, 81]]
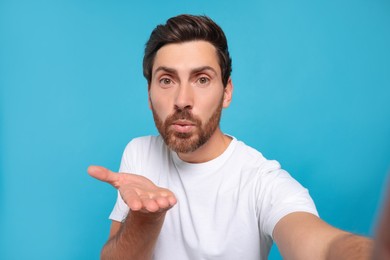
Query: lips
[[183, 126]]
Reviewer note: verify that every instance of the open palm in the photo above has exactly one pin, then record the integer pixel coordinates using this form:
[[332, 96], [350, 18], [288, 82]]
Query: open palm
[[138, 192]]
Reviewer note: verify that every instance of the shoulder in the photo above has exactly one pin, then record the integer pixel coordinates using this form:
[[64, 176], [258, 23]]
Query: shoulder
[[141, 150], [254, 160], [266, 175], [144, 143]]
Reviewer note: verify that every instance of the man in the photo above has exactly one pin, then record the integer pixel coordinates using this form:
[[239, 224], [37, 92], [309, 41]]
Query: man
[[196, 193]]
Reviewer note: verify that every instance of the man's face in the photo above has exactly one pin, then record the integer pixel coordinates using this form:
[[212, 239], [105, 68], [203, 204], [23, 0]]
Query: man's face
[[186, 94]]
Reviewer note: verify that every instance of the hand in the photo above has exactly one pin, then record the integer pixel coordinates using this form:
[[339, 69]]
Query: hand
[[138, 192]]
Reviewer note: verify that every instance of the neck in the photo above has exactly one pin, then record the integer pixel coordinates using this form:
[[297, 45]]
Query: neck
[[213, 148]]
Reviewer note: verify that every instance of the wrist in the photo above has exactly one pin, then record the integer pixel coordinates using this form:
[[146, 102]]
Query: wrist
[[142, 218]]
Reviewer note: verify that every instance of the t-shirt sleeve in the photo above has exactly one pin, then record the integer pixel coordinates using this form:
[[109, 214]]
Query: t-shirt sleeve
[[280, 195], [120, 210]]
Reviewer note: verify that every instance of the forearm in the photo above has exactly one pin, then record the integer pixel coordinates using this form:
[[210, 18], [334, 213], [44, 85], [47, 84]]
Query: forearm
[[348, 246], [136, 238]]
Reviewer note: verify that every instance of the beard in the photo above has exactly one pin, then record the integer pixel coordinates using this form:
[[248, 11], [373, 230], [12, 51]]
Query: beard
[[189, 141]]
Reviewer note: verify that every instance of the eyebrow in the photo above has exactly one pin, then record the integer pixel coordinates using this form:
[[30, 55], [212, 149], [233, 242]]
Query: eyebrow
[[193, 71], [166, 69], [203, 68]]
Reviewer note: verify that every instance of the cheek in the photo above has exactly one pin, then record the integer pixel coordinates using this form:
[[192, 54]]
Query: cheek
[[207, 106], [160, 107]]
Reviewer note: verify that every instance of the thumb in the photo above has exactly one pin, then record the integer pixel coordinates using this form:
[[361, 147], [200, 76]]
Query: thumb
[[103, 174]]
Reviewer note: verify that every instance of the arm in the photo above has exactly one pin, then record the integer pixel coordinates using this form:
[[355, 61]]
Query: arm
[[304, 236], [135, 238], [382, 238], [350, 246]]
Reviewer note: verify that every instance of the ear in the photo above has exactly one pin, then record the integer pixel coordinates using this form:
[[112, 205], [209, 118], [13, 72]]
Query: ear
[[149, 101], [228, 93]]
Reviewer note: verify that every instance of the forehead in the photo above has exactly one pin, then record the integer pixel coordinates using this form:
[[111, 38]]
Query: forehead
[[187, 56]]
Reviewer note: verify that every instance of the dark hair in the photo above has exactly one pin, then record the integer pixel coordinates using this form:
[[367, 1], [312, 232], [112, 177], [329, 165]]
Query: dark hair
[[185, 28]]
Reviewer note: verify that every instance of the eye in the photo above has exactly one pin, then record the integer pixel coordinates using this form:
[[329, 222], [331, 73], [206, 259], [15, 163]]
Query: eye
[[203, 80], [165, 82]]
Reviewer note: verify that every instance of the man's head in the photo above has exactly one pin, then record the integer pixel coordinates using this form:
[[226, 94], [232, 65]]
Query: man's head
[[185, 28], [187, 85]]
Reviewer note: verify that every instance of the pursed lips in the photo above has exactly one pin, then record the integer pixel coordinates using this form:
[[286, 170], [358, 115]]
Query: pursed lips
[[183, 126]]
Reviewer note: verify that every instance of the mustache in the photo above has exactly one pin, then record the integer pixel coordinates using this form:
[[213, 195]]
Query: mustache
[[182, 114]]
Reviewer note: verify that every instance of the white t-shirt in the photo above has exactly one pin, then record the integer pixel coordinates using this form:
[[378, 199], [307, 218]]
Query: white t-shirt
[[227, 207]]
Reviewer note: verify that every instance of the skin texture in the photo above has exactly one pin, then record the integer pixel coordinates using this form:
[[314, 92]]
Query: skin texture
[[187, 77], [304, 236]]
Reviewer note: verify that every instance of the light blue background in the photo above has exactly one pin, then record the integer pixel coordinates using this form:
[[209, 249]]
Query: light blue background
[[312, 90]]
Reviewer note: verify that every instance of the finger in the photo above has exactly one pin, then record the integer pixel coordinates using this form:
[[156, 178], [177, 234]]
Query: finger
[[162, 202], [169, 196], [154, 202], [150, 205], [172, 200], [131, 198], [103, 174], [165, 199]]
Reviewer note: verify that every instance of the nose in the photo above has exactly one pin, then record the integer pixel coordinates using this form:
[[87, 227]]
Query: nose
[[184, 97]]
